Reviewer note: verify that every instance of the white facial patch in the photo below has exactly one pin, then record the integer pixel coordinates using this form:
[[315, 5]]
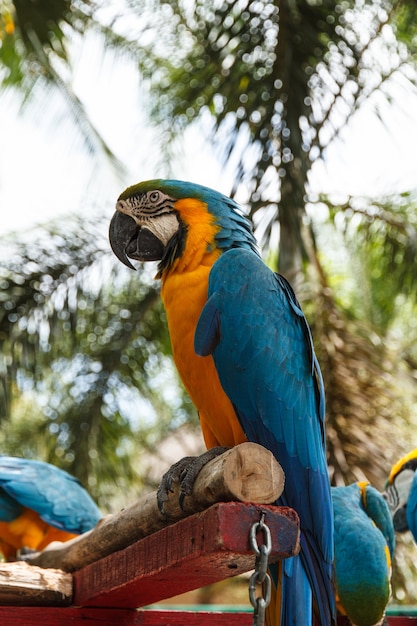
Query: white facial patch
[[398, 492], [163, 226]]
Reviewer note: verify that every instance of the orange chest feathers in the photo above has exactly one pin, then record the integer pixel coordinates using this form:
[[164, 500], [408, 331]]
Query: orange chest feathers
[[184, 295]]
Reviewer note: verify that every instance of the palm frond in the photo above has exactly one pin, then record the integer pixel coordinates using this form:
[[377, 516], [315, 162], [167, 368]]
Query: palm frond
[[35, 60], [368, 403], [381, 237]]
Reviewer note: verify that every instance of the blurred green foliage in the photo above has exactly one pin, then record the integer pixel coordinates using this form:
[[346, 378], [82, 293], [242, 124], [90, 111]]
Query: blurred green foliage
[[84, 348]]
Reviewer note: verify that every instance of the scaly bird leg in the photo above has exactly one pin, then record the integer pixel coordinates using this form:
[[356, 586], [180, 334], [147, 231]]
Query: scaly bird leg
[[185, 472]]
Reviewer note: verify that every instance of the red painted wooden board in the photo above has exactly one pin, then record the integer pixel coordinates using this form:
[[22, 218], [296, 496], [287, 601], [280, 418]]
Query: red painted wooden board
[[202, 549], [53, 616]]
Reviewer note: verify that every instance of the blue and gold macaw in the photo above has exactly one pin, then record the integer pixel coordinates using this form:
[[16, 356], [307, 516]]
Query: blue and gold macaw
[[364, 547], [244, 352], [401, 494], [40, 503]]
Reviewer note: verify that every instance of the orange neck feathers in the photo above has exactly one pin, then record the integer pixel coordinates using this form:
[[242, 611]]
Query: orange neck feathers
[[184, 293]]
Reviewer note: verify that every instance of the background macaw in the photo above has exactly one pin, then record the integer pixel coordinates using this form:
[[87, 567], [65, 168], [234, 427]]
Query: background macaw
[[243, 349], [40, 503], [401, 494], [364, 547]]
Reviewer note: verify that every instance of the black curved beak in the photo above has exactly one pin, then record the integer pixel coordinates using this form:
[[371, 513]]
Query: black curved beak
[[127, 239], [122, 231]]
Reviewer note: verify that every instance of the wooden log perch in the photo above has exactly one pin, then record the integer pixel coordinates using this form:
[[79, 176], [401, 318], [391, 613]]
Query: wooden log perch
[[245, 473], [26, 585]]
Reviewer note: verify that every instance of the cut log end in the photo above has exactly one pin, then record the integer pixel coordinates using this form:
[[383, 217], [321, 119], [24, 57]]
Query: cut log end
[[253, 474]]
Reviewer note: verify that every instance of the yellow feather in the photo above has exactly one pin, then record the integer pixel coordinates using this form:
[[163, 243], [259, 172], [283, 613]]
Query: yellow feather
[[398, 466]]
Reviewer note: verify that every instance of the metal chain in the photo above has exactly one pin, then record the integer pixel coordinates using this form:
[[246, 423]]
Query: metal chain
[[260, 575]]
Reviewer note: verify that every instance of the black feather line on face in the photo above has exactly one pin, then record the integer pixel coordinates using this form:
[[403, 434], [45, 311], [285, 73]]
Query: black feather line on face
[[174, 248]]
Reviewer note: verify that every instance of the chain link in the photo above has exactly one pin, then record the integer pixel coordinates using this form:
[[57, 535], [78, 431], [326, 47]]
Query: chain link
[[260, 576]]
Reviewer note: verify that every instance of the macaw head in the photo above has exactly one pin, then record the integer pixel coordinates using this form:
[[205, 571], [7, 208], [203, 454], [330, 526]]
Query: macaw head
[[158, 220], [397, 491]]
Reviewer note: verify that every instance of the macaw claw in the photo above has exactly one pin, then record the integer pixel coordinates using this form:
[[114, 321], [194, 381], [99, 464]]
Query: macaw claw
[[184, 472], [173, 475]]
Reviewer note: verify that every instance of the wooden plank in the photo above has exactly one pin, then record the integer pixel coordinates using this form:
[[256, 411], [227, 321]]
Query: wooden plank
[[24, 584], [202, 549]]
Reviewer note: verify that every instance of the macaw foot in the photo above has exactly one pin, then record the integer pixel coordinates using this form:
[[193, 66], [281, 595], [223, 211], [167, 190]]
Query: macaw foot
[[184, 472]]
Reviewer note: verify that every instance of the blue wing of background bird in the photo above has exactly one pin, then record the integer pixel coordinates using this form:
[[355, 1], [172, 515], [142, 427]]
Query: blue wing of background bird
[[253, 326], [9, 507], [377, 509], [363, 536], [55, 495], [412, 508]]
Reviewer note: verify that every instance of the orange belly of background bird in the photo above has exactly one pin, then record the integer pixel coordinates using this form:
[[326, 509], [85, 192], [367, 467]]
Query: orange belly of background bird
[[28, 531], [184, 295]]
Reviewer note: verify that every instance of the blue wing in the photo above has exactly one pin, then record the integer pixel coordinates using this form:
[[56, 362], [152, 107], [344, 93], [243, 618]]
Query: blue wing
[[55, 495], [261, 345], [9, 507], [377, 509], [412, 508]]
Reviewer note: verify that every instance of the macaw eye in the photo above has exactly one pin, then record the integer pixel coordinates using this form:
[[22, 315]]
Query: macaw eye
[[154, 196]]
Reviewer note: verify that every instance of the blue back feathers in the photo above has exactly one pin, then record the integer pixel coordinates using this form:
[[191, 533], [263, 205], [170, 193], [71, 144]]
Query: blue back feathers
[[258, 336]]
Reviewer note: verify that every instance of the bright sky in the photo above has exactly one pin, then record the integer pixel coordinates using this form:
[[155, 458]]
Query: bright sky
[[44, 169], [45, 172]]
